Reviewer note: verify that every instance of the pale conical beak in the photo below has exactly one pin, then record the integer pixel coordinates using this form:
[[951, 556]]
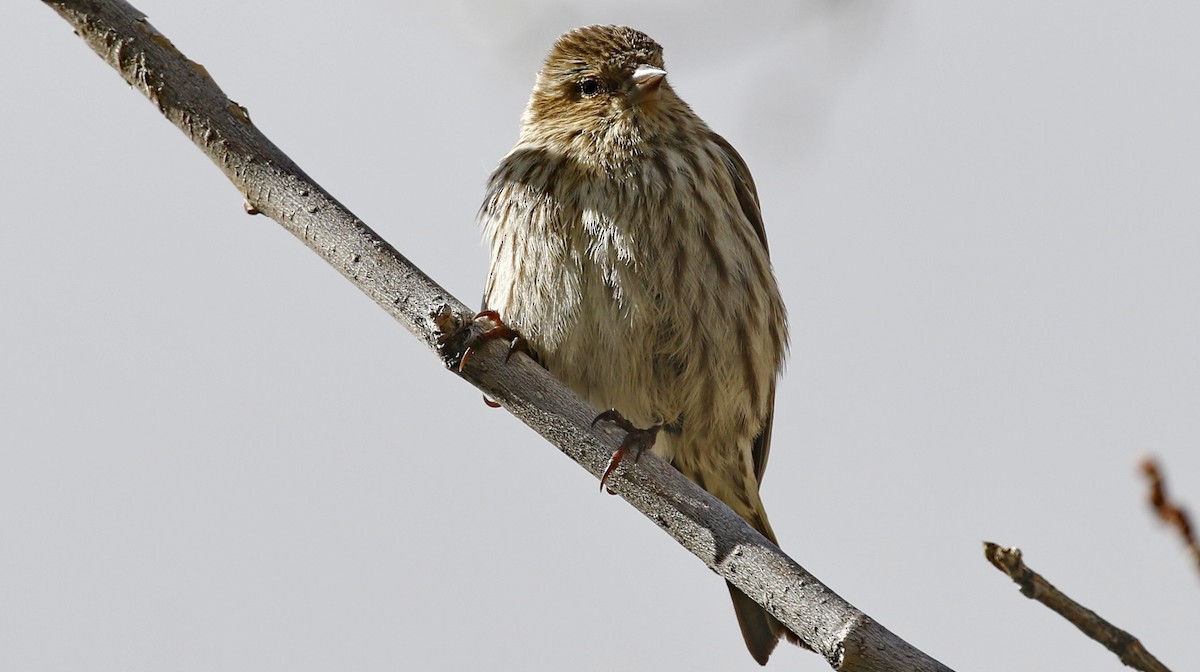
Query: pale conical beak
[[646, 82]]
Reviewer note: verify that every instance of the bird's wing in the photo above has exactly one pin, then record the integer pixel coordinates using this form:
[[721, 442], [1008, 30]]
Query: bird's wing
[[762, 443], [743, 184], [747, 196]]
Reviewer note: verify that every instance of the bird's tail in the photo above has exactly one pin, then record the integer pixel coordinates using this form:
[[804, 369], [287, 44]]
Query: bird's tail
[[758, 627], [761, 630]]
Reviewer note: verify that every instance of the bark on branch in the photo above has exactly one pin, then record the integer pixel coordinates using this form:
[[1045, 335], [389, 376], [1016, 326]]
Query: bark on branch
[[274, 185]]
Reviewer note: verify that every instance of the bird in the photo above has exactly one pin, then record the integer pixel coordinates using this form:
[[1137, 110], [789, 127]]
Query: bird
[[627, 250]]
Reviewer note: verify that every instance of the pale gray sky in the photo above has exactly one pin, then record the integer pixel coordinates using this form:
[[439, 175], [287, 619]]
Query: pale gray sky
[[216, 454]]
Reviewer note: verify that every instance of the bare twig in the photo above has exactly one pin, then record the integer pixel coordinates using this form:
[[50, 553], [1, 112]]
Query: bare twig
[[272, 184], [1171, 513], [1126, 646]]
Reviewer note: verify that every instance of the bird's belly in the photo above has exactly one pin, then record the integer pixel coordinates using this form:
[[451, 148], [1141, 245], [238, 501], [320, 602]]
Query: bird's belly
[[611, 352]]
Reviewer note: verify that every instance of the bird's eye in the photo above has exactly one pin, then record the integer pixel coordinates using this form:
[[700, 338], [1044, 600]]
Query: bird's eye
[[590, 87]]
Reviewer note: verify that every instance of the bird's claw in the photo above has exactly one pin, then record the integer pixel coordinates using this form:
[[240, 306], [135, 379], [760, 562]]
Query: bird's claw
[[498, 330], [637, 440]]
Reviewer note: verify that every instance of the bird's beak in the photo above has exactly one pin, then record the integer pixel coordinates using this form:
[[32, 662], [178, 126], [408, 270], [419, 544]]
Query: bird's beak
[[646, 81]]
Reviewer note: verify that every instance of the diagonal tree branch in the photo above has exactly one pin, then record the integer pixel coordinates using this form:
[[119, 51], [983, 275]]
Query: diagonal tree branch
[[1126, 646], [274, 185]]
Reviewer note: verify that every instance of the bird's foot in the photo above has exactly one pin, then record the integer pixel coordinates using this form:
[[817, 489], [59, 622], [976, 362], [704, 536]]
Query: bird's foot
[[498, 329], [637, 440]]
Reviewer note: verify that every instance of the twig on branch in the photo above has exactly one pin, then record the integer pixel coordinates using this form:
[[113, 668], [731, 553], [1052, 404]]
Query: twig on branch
[[272, 184], [1126, 646], [1171, 513]]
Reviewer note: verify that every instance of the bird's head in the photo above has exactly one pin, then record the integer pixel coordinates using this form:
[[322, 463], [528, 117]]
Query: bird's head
[[601, 91]]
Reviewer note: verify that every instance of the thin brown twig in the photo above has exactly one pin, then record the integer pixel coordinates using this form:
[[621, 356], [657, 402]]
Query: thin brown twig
[[1169, 512], [1126, 646]]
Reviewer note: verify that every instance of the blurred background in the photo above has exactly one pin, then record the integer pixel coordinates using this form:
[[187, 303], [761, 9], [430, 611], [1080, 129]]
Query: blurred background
[[217, 454]]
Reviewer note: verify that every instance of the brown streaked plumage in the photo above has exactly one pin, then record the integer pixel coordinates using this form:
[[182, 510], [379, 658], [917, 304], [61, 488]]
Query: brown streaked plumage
[[627, 246]]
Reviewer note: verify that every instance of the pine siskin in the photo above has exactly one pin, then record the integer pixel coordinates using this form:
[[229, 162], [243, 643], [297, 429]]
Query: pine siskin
[[628, 249]]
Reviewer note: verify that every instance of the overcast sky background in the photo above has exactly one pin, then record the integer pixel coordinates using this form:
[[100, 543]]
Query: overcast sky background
[[215, 453]]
